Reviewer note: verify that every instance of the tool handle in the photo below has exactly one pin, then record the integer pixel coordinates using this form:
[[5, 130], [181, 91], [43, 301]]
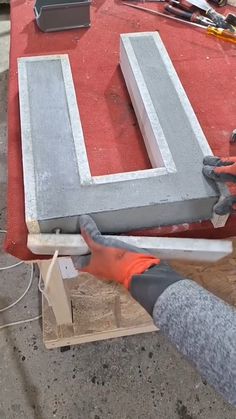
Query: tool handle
[[179, 5], [182, 14], [231, 19], [222, 34], [220, 3], [219, 20], [192, 15]]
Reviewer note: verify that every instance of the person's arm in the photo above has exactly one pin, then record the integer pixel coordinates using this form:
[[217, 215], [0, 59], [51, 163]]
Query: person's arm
[[200, 325]]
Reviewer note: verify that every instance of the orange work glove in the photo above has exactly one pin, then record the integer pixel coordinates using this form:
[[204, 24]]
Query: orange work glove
[[112, 259]]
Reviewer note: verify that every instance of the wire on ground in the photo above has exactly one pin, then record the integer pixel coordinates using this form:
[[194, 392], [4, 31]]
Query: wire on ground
[[21, 297]]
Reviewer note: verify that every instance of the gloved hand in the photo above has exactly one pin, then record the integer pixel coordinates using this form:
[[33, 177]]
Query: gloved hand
[[220, 169], [112, 259]]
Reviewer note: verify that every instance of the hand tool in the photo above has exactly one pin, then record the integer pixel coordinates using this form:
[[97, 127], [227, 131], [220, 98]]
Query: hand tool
[[230, 18], [177, 3], [220, 3], [191, 16], [147, 1], [218, 32], [154, 12], [217, 18]]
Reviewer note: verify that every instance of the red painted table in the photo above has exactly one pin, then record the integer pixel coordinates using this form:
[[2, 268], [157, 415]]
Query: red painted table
[[205, 65]]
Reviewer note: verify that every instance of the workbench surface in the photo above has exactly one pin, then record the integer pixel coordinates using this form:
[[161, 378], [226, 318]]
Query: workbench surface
[[205, 65]]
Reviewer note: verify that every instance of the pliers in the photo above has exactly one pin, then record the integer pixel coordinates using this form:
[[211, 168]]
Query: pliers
[[183, 12]]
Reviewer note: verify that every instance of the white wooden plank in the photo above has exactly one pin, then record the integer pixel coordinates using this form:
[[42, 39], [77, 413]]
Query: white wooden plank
[[163, 247]]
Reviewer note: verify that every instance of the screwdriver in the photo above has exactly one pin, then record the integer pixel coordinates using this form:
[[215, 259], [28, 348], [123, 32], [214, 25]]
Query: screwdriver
[[223, 34]]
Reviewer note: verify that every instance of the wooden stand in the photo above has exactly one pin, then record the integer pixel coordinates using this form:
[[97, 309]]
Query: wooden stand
[[102, 310]]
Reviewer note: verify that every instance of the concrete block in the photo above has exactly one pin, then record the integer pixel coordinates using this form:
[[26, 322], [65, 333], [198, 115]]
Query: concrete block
[[57, 179]]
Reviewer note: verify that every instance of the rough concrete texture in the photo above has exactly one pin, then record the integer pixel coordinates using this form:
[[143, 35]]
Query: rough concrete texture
[[135, 377], [50, 120]]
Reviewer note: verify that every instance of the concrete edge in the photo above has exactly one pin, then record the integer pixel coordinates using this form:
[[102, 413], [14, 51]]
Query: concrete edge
[[156, 143], [26, 141]]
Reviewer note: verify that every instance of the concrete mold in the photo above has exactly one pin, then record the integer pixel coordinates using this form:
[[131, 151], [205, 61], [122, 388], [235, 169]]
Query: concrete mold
[[57, 178]]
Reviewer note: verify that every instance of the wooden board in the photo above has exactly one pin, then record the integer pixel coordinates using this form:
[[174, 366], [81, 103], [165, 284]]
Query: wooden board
[[100, 310], [201, 250], [104, 310]]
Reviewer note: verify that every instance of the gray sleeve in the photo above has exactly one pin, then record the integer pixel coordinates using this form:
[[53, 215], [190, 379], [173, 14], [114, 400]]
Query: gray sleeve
[[203, 328]]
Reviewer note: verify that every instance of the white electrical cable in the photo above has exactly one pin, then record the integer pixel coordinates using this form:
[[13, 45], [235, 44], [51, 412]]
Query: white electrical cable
[[21, 321], [11, 266], [42, 290], [21, 297], [17, 301], [24, 293]]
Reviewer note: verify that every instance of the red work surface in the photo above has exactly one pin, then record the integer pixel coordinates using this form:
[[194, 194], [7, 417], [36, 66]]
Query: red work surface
[[205, 65]]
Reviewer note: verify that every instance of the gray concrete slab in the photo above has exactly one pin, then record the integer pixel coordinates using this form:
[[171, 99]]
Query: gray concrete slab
[[135, 377], [58, 183]]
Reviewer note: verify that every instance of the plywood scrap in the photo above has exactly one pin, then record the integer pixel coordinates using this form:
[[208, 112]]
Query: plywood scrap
[[101, 310]]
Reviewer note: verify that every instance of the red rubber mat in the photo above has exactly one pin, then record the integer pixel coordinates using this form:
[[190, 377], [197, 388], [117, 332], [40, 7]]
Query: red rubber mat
[[204, 64]]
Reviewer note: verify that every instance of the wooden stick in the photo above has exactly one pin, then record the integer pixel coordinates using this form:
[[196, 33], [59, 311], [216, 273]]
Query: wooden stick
[[55, 290]]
